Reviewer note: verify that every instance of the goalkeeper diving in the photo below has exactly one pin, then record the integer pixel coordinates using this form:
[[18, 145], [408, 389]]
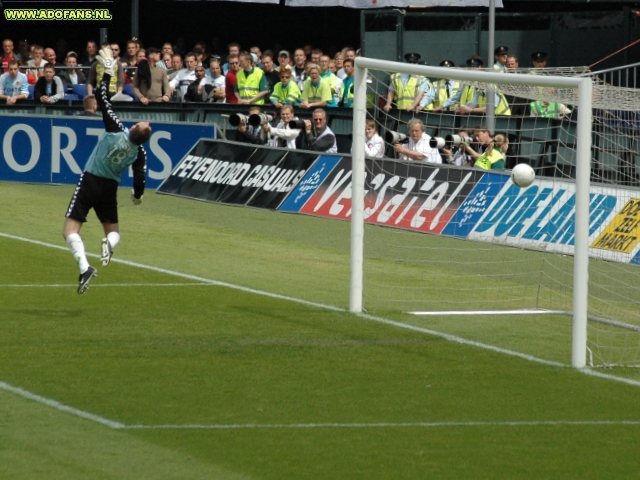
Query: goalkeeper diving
[[117, 150]]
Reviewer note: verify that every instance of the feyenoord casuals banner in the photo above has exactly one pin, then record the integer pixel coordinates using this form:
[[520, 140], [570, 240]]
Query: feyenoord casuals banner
[[390, 3], [238, 173]]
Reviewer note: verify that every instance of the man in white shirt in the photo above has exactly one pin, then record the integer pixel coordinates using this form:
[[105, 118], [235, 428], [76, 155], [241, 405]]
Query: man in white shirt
[[185, 76], [217, 79], [418, 148], [282, 135], [13, 84]]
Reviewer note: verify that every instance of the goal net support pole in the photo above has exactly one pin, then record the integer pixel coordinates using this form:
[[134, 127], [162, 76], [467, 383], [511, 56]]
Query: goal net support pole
[[583, 171]]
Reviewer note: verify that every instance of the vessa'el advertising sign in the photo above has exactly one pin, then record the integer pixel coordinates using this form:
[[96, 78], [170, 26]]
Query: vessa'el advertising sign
[[56, 149], [414, 196], [238, 173]]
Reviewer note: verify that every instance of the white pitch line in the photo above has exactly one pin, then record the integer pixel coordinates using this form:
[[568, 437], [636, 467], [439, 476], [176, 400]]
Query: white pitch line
[[60, 406], [536, 311], [533, 423], [74, 285]]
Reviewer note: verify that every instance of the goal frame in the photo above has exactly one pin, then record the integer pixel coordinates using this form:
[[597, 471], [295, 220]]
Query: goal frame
[[583, 171]]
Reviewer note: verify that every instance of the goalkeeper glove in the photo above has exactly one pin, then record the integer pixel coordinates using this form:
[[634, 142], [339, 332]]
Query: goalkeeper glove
[[105, 58], [136, 201]]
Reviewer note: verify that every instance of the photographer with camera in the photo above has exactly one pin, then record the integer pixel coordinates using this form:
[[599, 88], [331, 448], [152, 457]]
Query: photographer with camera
[[418, 148], [246, 132], [284, 134], [319, 136], [455, 152]]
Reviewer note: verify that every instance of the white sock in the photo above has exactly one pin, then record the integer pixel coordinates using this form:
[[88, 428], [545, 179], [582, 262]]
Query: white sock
[[114, 239], [77, 250]]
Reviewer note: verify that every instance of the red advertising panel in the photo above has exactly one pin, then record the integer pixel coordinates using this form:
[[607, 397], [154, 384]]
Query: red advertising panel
[[414, 196]]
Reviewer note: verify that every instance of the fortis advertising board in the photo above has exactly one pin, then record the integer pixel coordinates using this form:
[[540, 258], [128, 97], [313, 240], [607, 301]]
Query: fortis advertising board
[[55, 149]]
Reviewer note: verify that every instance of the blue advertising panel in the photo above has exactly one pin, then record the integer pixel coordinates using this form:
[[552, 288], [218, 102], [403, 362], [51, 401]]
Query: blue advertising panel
[[55, 150], [323, 166]]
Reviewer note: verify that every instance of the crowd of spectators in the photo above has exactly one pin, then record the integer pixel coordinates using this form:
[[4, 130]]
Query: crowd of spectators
[[309, 79]]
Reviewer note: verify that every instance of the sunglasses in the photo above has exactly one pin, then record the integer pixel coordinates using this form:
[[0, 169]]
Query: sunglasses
[[200, 70], [234, 63]]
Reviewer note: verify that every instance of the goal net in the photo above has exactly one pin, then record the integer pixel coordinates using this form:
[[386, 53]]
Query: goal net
[[569, 244]]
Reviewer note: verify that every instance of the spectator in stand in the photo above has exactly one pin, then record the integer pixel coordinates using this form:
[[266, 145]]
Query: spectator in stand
[[92, 51], [176, 65], [349, 53], [329, 77], [374, 145], [49, 88], [258, 53], [512, 62], [282, 135], [299, 72], [519, 106], [500, 55], [141, 55], [72, 76], [545, 109], [218, 80], [283, 59], [332, 66], [180, 46], [50, 57], [231, 78], [183, 79], [459, 155], [36, 64], [418, 148], [251, 85], [90, 106], [23, 69], [130, 59], [316, 92], [116, 83], [165, 63], [337, 60], [346, 95], [151, 83], [196, 91], [165, 58], [115, 49], [307, 49], [269, 72], [7, 54], [199, 55], [285, 92], [14, 85], [167, 48], [316, 53], [234, 49], [407, 90], [444, 89], [250, 134], [539, 59], [318, 135]]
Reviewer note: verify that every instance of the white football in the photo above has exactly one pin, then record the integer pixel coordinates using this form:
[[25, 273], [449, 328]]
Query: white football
[[523, 175]]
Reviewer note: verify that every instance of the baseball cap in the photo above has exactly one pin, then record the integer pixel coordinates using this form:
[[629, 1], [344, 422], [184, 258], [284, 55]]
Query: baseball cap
[[284, 53]]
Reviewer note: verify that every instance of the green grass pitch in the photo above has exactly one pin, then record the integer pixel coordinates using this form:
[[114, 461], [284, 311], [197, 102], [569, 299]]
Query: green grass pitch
[[166, 369]]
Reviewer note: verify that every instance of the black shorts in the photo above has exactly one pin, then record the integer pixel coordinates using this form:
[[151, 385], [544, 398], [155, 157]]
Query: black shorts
[[98, 193]]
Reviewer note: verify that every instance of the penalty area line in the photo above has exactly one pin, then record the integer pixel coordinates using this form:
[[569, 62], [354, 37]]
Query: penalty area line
[[60, 406], [406, 326], [541, 423]]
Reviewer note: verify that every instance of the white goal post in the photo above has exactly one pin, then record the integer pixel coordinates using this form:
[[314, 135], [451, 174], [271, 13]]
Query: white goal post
[[584, 88]]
